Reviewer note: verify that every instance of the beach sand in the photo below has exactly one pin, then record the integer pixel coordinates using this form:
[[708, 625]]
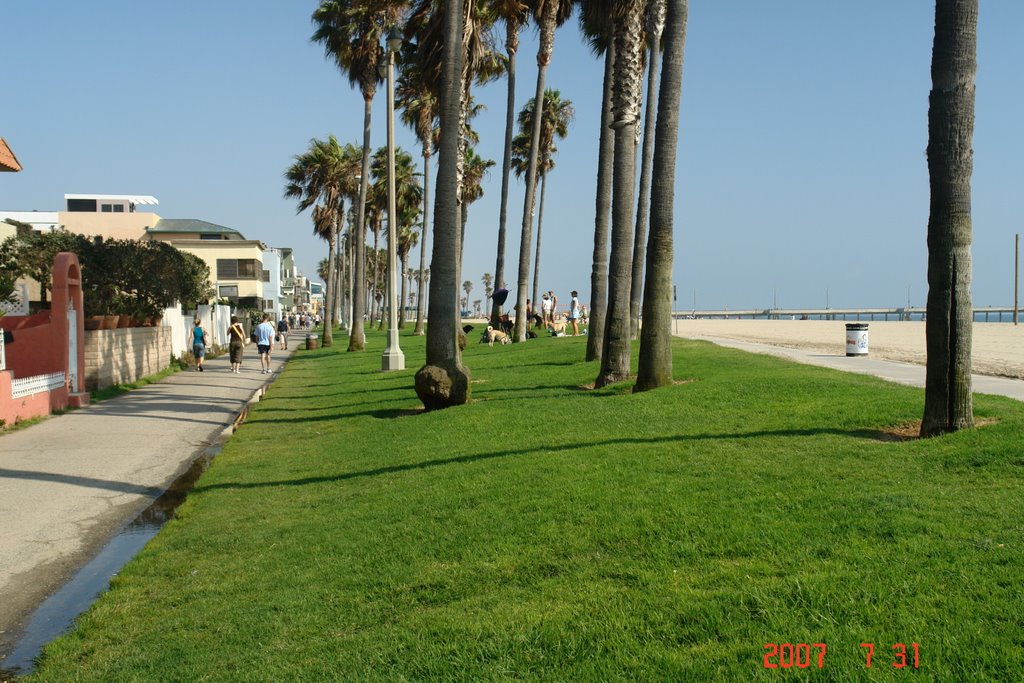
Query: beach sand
[[998, 348]]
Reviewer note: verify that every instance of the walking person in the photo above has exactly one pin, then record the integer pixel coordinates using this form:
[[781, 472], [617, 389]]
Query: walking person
[[574, 314], [198, 340], [236, 342], [264, 342], [545, 310], [554, 305], [282, 333]]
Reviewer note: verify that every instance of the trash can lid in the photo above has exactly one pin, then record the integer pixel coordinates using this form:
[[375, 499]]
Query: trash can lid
[[856, 326]]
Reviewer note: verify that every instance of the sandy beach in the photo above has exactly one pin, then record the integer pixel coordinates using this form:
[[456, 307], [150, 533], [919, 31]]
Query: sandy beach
[[998, 348]]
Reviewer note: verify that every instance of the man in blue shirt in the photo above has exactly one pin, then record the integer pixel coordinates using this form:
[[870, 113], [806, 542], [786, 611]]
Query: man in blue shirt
[[264, 341]]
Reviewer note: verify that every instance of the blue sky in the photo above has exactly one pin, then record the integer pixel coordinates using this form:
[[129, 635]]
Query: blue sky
[[801, 164]]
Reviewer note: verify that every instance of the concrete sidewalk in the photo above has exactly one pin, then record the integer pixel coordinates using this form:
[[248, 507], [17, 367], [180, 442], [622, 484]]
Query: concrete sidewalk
[[71, 482], [901, 373]]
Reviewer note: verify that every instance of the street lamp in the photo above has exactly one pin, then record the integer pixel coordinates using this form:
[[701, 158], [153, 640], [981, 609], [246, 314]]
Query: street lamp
[[392, 358]]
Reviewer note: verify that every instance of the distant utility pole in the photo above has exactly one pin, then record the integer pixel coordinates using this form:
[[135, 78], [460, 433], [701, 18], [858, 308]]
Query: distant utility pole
[[1016, 274]]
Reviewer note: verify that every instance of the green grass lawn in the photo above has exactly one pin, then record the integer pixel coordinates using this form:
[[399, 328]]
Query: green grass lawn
[[551, 532]]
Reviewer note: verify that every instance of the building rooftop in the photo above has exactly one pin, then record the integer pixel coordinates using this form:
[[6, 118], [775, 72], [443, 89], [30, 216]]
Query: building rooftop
[[8, 162], [145, 199], [187, 225]]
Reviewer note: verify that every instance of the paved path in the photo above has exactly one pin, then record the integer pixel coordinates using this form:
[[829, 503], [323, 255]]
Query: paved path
[[72, 481], [902, 373]]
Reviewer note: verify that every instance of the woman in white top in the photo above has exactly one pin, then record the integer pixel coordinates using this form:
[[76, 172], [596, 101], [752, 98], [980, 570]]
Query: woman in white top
[[574, 314]]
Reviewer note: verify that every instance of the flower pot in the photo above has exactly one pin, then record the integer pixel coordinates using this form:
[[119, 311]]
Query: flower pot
[[93, 322], [124, 321], [110, 322]]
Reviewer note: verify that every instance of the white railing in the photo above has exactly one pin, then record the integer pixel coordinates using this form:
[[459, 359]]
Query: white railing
[[36, 384], [3, 355]]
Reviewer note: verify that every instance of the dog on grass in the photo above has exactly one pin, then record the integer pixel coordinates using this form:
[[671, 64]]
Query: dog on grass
[[557, 328], [492, 335]]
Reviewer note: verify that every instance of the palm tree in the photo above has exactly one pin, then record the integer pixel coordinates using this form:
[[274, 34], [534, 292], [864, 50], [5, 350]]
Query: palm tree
[[488, 282], [318, 178], [443, 381], [514, 14], [655, 23], [596, 25], [467, 287], [416, 97], [948, 403], [351, 34], [549, 15], [615, 357], [407, 239], [654, 368], [474, 169], [557, 115], [408, 198]]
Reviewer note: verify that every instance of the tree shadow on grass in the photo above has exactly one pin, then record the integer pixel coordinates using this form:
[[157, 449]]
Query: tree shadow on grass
[[559, 449]]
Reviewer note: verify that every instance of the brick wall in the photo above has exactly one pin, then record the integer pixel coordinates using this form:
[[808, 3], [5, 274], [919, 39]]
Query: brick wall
[[125, 355]]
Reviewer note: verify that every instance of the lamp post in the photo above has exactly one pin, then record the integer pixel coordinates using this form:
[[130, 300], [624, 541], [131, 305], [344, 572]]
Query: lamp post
[[392, 358]]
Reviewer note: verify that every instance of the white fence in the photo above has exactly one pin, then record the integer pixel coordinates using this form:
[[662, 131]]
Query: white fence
[[36, 384], [216, 320], [3, 353]]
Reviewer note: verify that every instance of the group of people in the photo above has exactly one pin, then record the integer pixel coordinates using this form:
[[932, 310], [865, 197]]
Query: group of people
[[263, 335], [548, 316]]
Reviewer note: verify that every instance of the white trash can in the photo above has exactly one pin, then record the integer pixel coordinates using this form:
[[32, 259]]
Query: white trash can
[[856, 339]]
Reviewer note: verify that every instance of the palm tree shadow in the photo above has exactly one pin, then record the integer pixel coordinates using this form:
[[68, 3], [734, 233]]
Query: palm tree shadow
[[551, 449]]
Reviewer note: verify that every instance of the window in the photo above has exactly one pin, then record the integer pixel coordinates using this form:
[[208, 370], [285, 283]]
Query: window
[[208, 236], [106, 208], [239, 269], [227, 269], [118, 208], [229, 291], [266, 276], [88, 205]]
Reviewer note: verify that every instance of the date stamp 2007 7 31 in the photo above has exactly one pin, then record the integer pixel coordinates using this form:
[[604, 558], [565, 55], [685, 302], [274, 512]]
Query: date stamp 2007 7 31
[[804, 655]]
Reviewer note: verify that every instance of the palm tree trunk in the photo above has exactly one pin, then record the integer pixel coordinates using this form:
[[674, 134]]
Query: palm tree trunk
[[326, 338], [540, 219], [418, 330], [338, 266], [511, 47], [444, 381], [401, 300], [599, 270], [615, 357], [655, 21], [948, 403], [654, 368], [357, 339], [547, 41], [375, 306]]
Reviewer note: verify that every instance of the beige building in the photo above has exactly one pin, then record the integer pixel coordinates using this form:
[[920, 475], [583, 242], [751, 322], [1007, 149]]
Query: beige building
[[111, 216], [236, 264]]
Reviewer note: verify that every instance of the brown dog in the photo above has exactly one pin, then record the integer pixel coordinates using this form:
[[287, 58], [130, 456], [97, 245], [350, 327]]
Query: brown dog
[[557, 328], [492, 335]]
